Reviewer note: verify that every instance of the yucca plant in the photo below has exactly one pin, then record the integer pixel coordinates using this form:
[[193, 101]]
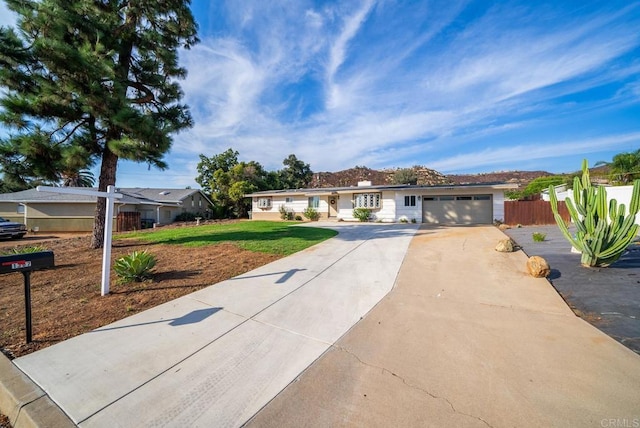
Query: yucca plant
[[603, 232], [136, 266], [24, 250]]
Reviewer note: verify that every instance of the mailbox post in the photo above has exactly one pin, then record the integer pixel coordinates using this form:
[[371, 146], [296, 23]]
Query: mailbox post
[[26, 263]]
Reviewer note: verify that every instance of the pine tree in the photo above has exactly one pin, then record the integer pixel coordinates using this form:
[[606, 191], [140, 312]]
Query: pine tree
[[89, 81]]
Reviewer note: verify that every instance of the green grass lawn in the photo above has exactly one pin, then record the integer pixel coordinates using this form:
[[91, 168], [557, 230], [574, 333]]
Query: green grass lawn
[[273, 237]]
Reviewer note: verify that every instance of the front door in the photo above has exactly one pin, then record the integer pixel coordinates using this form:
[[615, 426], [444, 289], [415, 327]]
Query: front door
[[333, 206]]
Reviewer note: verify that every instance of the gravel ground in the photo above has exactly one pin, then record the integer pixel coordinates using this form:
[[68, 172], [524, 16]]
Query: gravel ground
[[608, 298]]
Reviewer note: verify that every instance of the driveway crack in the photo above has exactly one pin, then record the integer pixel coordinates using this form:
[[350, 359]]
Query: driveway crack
[[410, 385]]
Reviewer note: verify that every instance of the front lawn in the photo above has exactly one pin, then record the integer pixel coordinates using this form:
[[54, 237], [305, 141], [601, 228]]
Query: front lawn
[[272, 237]]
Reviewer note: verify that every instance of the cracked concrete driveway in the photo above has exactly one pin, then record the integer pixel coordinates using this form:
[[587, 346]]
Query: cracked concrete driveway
[[465, 338]]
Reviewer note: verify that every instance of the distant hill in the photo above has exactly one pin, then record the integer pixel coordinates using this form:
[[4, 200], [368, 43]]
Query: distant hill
[[426, 176], [522, 178], [351, 177]]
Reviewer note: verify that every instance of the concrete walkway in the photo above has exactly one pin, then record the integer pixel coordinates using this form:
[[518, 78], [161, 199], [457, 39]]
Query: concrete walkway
[[215, 357], [466, 339]]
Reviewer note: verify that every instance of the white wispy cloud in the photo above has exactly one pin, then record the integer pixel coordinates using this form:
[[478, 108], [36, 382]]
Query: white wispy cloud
[[385, 83], [534, 150]]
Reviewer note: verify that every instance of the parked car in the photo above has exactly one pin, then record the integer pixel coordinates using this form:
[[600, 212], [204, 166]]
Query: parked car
[[11, 229]]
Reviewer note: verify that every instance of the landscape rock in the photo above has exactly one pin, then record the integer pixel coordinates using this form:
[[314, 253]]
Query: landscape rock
[[504, 227], [506, 246], [538, 267]]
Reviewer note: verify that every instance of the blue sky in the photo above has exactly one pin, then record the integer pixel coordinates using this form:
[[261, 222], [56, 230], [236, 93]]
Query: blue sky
[[457, 86]]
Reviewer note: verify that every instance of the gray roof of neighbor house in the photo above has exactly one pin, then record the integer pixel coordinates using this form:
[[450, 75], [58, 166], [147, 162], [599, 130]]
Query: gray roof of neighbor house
[[380, 187], [132, 196]]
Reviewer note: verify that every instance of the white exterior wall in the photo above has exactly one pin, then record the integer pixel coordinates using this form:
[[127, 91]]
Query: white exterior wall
[[345, 207], [408, 213], [498, 204], [386, 212], [298, 204]]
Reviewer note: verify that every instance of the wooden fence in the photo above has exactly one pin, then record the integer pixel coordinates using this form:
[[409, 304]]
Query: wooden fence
[[532, 212], [127, 221]]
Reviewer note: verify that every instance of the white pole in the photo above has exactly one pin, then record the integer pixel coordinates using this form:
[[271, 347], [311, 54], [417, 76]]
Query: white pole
[[111, 196], [108, 228]]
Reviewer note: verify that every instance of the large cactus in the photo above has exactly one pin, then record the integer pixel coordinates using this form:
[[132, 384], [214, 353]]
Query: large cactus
[[602, 232]]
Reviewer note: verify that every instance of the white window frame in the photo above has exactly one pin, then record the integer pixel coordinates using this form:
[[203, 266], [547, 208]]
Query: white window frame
[[367, 200], [264, 202]]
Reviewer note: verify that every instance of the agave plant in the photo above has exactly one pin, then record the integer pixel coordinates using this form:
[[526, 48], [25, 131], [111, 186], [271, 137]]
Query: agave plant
[[603, 232], [136, 266]]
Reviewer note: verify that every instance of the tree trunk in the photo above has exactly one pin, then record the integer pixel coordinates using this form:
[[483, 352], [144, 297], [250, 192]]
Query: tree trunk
[[107, 178]]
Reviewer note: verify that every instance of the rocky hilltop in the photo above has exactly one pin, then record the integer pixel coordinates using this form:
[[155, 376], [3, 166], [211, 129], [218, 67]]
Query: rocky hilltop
[[521, 178], [426, 176]]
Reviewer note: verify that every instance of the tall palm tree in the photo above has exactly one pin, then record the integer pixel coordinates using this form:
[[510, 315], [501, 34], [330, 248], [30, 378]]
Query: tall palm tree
[[77, 178]]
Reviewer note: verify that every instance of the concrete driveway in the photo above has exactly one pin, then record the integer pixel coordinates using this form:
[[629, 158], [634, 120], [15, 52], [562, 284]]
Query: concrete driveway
[[465, 339], [217, 356]]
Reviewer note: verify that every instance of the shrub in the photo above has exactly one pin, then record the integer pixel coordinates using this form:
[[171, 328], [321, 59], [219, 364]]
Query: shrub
[[404, 220], [285, 214], [298, 218], [311, 213], [538, 236], [136, 266], [362, 214], [187, 216], [413, 220]]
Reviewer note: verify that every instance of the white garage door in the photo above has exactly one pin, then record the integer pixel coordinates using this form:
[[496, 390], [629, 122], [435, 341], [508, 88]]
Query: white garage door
[[447, 209]]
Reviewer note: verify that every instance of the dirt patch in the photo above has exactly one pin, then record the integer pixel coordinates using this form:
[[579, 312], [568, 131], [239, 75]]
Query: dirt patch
[[66, 300]]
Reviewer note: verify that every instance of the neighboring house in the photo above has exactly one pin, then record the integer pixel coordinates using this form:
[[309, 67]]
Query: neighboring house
[[446, 204], [58, 212]]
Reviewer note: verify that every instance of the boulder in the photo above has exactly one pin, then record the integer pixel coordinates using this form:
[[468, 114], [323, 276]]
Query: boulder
[[506, 246], [504, 227], [538, 267]]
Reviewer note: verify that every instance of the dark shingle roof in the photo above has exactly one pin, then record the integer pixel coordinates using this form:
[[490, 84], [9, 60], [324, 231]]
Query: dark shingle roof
[[133, 196]]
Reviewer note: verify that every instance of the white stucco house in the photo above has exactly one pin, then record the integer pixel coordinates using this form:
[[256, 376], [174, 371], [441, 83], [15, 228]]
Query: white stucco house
[[442, 204]]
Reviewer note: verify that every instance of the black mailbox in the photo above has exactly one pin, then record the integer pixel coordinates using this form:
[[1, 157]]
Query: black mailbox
[[26, 263]]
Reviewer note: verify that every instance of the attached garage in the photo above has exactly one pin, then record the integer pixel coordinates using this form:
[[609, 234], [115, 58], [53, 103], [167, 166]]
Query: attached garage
[[457, 209]]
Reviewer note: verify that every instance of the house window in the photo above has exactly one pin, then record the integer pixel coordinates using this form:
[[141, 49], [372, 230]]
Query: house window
[[264, 202], [410, 201], [20, 209], [314, 202], [366, 200], [288, 200]]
